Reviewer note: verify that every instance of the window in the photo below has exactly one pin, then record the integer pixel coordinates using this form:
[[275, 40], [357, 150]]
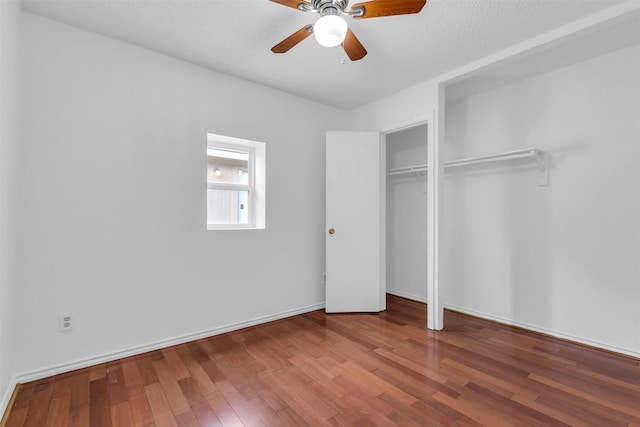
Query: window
[[235, 183]]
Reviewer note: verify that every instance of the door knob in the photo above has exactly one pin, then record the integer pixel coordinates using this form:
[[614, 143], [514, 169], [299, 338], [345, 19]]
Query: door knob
[[332, 230]]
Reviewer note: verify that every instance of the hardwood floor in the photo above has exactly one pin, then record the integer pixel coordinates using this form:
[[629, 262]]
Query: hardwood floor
[[350, 370]]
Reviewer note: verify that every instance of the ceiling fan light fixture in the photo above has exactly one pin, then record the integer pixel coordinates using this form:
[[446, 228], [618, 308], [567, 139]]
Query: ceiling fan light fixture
[[330, 30]]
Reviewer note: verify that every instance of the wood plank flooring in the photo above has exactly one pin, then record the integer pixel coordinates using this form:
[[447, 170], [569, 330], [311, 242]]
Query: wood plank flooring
[[348, 370]]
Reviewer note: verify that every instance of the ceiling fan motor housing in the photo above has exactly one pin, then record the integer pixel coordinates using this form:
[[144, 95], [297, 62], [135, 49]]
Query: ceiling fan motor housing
[[330, 7]]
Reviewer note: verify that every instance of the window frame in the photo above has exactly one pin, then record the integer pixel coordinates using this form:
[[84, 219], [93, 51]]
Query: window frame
[[255, 187]]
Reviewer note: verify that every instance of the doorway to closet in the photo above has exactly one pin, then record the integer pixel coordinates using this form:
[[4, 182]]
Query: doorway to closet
[[406, 212]]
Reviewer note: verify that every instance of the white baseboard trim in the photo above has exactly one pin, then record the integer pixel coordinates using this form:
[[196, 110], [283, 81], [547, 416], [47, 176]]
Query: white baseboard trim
[[6, 397], [84, 363], [407, 296], [545, 331], [108, 357]]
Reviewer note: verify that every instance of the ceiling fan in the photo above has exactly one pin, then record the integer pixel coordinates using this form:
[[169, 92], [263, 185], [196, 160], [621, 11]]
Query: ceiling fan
[[331, 29]]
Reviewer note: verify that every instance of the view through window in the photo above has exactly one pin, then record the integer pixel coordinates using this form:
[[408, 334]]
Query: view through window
[[232, 193]]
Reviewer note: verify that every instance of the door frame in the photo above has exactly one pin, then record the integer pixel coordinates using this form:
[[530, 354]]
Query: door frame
[[434, 204]]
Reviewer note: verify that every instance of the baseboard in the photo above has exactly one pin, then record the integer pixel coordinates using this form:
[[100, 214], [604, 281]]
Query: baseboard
[[407, 296], [544, 331], [8, 398], [108, 357]]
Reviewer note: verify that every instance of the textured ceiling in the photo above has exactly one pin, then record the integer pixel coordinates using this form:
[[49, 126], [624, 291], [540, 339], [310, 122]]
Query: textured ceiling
[[235, 37]]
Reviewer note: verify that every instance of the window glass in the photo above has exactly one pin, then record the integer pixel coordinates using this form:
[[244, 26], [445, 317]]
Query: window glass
[[227, 166], [228, 207]]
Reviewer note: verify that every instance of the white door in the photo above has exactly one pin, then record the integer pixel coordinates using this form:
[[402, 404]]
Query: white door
[[355, 280]]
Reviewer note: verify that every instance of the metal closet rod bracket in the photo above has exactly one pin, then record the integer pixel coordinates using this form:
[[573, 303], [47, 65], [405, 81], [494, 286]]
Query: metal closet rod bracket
[[542, 159], [422, 177]]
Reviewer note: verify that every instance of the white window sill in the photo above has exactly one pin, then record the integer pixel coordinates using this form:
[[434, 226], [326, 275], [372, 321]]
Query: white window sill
[[235, 228]]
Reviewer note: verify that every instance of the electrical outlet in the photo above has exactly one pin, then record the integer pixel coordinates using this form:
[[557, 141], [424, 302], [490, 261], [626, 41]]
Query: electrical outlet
[[65, 322]]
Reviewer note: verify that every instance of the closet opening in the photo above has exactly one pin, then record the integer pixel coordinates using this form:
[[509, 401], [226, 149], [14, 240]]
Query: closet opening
[[406, 212]]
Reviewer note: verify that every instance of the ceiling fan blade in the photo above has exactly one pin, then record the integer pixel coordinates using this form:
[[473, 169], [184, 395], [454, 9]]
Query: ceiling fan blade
[[353, 47], [377, 8], [292, 3], [293, 39]]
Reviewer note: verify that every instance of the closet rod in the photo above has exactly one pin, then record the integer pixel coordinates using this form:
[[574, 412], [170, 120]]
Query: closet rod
[[408, 169], [508, 155], [541, 157]]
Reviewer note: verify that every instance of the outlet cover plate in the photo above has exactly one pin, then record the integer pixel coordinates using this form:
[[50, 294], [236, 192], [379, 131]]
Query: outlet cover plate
[[65, 322]]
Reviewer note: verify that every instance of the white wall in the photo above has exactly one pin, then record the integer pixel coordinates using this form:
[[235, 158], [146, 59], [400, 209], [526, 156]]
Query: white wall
[[410, 106], [9, 59], [407, 215], [564, 258], [112, 211]]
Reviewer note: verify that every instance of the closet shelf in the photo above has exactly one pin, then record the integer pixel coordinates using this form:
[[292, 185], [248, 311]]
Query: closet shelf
[[541, 157]]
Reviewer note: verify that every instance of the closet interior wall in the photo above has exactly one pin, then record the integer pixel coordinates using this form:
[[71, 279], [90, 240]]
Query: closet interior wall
[[561, 259], [407, 215]]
